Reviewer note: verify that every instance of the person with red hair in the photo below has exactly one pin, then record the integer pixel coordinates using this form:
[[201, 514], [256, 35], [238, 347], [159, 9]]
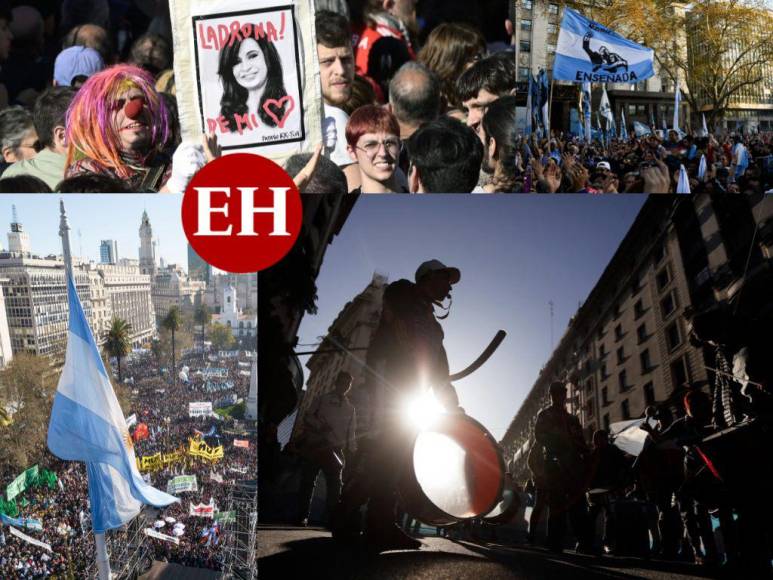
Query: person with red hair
[[373, 138]]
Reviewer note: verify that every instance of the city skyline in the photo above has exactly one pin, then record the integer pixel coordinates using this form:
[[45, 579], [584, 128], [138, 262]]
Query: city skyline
[[113, 218], [493, 244]]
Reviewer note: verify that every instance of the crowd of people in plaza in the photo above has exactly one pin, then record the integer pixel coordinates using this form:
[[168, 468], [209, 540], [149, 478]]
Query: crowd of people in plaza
[[162, 405]]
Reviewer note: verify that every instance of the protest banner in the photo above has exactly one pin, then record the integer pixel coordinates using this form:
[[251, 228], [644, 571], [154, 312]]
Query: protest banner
[[242, 443], [199, 409], [247, 70], [228, 354], [203, 510], [216, 477], [225, 517], [199, 448], [182, 483], [159, 536], [29, 539], [22, 482], [590, 52], [215, 373], [30, 523]]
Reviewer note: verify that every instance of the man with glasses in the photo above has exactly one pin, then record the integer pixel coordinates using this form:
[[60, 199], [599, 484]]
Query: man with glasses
[[17, 136], [373, 137], [48, 117]]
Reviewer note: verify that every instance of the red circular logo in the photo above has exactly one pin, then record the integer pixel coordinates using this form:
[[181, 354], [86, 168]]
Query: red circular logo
[[242, 213]]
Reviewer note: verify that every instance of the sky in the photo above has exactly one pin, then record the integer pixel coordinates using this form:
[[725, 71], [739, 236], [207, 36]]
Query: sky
[[98, 217], [515, 253]]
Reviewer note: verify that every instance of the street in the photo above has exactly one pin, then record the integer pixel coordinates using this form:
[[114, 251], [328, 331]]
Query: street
[[287, 552]]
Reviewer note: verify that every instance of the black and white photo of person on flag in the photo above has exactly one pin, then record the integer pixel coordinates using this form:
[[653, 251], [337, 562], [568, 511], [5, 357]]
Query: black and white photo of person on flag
[[590, 52]]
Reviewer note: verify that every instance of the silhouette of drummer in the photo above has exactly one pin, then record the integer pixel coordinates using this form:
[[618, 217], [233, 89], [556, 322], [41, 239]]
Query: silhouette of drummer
[[609, 61], [406, 353]]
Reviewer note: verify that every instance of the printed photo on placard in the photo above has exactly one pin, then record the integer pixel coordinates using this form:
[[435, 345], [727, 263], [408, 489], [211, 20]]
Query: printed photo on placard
[[249, 77]]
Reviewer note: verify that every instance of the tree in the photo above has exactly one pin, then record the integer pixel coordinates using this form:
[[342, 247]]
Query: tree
[[27, 387], [117, 341], [172, 322], [221, 336], [203, 316], [715, 49]]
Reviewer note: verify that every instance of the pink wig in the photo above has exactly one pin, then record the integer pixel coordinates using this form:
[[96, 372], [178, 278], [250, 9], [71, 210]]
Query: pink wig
[[90, 132]]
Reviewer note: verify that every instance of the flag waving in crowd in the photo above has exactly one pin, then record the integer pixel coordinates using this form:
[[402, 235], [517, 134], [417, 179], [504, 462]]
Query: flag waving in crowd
[[588, 51], [87, 425]]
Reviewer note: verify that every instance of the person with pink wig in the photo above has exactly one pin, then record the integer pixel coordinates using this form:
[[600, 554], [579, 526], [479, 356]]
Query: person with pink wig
[[118, 124]]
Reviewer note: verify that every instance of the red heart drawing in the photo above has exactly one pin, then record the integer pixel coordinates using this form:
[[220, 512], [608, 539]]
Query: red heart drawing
[[278, 104]]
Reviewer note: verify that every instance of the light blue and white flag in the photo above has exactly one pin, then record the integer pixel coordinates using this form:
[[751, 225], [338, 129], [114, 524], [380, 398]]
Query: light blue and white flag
[[586, 106], [623, 128], [605, 109], [677, 101], [544, 100], [705, 129], [87, 425], [529, 105], [588, 51], [640, 129], [702, 168], [683, 186]]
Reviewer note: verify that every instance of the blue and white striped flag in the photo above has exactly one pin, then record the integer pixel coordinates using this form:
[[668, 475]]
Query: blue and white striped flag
[[623, 128], [87, 425], [702, 168], [683, 186], [677, 101], [640, 129], [588, 51], [705, 129], [586, 106]]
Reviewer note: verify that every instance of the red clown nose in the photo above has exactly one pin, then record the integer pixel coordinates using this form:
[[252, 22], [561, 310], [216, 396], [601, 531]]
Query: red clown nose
[[134, 107]]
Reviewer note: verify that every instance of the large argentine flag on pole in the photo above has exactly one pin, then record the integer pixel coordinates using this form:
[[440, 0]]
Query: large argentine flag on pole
[[590, 52], [87, 425]]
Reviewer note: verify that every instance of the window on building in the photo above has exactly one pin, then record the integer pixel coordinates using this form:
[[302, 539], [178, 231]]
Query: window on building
[[525, 24], [589, 384], [616, 310], [622, 380], [649, 394], [552, 29], [525, 46], [638, 309], [552, 8], [635, 284], [659, 253], [604, 374], [523, 73], [641, 332], [644, 359], [620, 355], [668, 305], [618, 332], [673, 336], [526, 4], [625, 409], [602, 350], [604, 396], [606, 421], [663, 278], [679, 372], [589, 408]]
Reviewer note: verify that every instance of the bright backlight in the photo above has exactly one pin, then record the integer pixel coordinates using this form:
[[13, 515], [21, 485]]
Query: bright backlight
[[423, 410]]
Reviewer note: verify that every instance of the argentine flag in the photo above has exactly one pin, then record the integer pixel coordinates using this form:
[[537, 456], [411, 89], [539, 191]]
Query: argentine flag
[[589, 52], [87, 425]]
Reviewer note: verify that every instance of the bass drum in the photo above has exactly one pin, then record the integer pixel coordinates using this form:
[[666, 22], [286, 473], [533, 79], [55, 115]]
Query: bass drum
[[456, 472], [506, 509]]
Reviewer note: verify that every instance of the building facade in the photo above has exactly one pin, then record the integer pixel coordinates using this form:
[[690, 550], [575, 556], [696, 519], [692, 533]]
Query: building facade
[[627, 346], [198, 269], [129, 296], [108, 252], [172, 287], [6, 352], [243, 325], [246, 286], [352, 329]]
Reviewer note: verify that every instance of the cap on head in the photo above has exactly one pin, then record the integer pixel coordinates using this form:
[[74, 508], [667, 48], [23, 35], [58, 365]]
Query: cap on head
[[604, 165], [76, 61], [437, 266]]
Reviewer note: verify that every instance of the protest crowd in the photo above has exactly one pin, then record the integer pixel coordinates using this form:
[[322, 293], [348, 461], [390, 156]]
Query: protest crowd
[[56, 511]]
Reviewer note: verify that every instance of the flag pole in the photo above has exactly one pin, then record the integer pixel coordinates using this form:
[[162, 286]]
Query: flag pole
[[102, 557], [550, 109]]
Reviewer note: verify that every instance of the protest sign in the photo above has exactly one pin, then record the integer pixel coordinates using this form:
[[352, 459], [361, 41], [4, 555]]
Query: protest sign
[[242, 443], [228, 353], [182, 483], [590, 52], [199, 448], [29, 539], [199, 409], [159, 536], [22, 482], [247, 70], [225, 517], [30, 523], [203, 510]]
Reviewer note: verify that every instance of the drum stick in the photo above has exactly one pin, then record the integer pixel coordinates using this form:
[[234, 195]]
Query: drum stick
[[732, 376], [493, 345]]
